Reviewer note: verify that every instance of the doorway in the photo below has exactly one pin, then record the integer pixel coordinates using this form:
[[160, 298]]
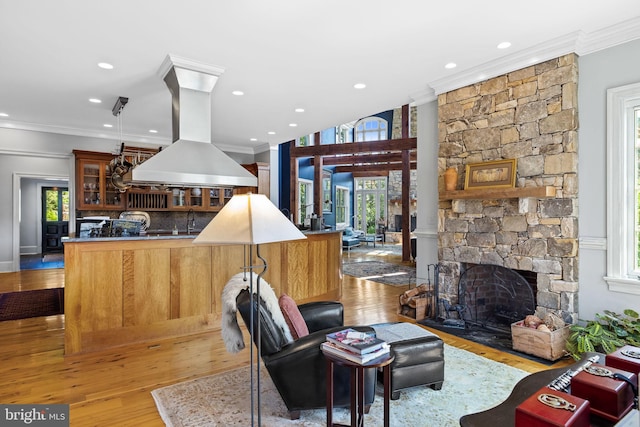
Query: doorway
[[55, 218], [370, 204], [28, 214]]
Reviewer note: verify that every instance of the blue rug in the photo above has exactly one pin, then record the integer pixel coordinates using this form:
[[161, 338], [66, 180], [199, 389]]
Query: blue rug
[[39, 262]]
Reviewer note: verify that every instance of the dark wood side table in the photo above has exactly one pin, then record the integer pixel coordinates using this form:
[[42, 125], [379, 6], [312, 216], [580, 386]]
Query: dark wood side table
[[357, 386]]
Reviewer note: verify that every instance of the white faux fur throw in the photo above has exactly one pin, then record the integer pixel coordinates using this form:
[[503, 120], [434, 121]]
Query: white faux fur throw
[[231, 334]]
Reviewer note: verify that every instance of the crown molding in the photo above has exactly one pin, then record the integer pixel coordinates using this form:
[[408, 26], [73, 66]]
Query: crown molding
[[190, 64], [24, 153], [609, 37], [506, 64], [36, 127], [577, 42], [422, 97]]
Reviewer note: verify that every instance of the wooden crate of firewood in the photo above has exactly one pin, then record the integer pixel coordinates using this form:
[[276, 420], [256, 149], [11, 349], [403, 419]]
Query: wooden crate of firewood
[[416, 303]]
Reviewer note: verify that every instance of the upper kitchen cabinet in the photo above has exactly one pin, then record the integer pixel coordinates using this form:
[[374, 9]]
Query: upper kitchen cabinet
[[188, 198], [100, 187], [95, 189], [260, 170]]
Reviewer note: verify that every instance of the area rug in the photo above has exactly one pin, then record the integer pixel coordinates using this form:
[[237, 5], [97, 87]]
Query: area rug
[[36, 303], [378, 250], [381, 272], [471, 383]]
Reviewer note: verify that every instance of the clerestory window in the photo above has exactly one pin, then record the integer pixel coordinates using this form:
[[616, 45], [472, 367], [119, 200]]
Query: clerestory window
[[371, 129]]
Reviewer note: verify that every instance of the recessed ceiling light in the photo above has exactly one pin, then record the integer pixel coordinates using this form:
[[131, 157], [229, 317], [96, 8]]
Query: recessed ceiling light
[[153, 131], [238, 92], [299, 110], [105, 65], [4, 115], [253, 139], [107, 125], [451, 65], [271, 132], [95, 100], [293, 125], [359, 86], [504, 45]]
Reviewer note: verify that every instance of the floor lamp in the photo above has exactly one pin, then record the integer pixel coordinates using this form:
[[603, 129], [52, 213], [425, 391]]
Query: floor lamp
[[250, 220]]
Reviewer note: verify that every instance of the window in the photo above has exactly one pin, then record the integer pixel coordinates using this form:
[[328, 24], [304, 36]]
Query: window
[[327, 200], [304, 141], [342, 207], [371, 129], [623, 189], [305, 201], [344, 133]]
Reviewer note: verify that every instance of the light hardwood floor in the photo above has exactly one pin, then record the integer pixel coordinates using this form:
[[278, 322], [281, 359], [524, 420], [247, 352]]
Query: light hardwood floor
[[112, 388]]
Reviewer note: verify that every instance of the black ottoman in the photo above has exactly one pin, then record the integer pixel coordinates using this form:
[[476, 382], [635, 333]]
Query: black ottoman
[[419, 356]]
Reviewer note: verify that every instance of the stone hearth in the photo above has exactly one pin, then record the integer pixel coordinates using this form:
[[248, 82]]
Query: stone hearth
[[529, 115]]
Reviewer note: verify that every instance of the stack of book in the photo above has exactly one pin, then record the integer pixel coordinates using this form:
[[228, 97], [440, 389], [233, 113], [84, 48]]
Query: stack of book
[[355, 346]]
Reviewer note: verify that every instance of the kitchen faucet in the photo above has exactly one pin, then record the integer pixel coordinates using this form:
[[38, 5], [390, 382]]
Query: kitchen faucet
[[191, 221]]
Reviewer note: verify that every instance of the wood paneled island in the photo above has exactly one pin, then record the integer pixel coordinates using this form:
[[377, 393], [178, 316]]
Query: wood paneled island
[[124, 290]]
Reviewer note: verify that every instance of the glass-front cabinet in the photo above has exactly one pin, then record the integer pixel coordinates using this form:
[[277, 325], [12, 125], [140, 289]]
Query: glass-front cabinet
[[95, 189], [188, 198], [205, 198]]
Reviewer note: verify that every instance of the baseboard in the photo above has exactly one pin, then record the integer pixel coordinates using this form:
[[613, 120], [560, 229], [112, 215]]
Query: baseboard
[[6, 266]]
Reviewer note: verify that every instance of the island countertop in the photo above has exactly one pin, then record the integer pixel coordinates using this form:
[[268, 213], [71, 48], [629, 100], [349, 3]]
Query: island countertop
[[120, 290], [167, 234]]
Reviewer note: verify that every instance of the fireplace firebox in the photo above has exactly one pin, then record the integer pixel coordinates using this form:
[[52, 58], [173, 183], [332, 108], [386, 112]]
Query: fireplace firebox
[[490, 297]]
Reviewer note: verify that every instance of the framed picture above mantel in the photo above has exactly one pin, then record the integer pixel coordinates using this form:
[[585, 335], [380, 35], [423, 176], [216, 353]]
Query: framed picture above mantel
[[493, 174]]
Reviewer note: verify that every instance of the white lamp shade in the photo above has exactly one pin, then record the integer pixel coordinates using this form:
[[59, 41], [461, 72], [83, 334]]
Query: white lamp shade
[[249, 219]]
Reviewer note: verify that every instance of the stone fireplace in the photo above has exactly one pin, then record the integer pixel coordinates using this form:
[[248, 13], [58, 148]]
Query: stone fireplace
[[529, 115]]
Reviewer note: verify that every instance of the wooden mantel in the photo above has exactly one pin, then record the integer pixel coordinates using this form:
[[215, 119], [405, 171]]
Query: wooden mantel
[[499, 193]]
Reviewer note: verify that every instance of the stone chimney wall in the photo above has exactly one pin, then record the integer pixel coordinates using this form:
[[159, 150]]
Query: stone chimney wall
[[529, 115]]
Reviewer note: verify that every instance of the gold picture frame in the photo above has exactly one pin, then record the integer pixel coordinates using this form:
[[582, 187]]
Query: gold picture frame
[[494, 174]]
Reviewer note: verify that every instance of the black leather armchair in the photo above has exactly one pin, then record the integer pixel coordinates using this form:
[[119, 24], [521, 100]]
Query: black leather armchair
[[298, 369]]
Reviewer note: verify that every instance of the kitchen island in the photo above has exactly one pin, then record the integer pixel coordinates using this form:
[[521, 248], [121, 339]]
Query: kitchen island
[[133, 289]]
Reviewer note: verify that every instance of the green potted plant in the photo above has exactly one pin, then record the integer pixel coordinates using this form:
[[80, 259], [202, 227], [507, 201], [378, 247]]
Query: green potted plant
[[605, 334]]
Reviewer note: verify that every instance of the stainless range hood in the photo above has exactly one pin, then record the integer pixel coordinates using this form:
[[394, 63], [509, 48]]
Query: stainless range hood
[[192, 160]]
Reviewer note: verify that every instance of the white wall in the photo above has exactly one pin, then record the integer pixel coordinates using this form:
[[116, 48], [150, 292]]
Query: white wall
[[27, 154], [609, 68]]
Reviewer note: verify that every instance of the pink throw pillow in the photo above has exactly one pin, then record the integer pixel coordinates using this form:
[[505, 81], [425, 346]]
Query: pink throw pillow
[[292, 316]]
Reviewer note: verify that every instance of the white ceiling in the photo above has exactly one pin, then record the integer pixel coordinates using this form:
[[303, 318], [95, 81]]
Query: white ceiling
[[282, 54]]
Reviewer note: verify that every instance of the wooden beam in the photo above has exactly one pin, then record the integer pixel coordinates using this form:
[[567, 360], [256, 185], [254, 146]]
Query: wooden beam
[[366, 158], [387, 167], [317, 179], [293, 188], [356, 147], [360, 174], [406, 181]]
